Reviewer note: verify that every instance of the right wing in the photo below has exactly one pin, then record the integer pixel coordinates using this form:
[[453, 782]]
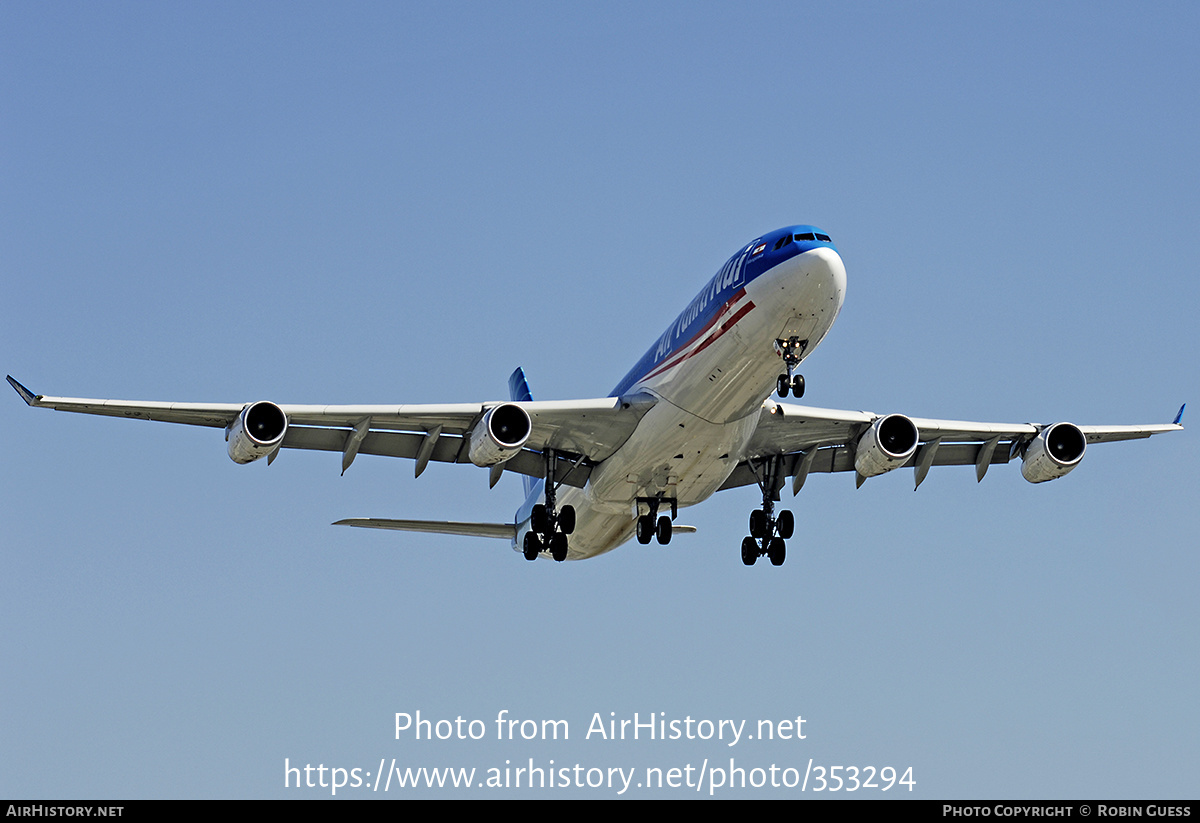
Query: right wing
[[580, 433], [804, 439]]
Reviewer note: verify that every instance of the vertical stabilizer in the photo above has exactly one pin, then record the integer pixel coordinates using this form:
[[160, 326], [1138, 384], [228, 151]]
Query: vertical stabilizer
[[518, 391]]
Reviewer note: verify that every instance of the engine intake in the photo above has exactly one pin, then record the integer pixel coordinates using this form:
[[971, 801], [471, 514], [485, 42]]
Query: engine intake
[[500, 434], [887, 445], [1055, 451], [257, 431]]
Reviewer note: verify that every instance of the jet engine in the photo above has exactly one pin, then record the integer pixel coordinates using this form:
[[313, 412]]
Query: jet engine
[[500, 434], [1055, 451], [887, 445], [257, 431]]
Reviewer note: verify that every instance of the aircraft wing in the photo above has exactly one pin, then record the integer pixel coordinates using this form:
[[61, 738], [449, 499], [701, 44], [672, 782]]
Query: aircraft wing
[[807, 439], [581, 432]]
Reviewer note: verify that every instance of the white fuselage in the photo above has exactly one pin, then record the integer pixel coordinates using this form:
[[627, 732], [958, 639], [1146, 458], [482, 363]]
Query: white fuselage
[[710, 392]]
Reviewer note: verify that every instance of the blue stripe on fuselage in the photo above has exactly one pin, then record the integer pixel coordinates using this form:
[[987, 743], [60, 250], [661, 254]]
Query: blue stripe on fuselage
[[739, 270]]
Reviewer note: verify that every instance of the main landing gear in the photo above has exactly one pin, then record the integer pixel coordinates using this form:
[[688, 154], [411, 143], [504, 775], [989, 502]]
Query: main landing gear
[[792, 352], [549, 526], [549, 530], [650, 526], [768, 532]]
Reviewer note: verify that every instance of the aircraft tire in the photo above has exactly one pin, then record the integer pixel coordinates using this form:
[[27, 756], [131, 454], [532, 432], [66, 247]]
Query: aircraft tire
[[781, 385], [777, 551], [566, 520], [785, 524], [663, 531], [532, 546], [645, 529], [798, 385], [749, 551], [539, 520], [558, 546], [758, 523]]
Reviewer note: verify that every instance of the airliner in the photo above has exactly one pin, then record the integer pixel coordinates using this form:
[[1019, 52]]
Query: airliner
[[694, 416]]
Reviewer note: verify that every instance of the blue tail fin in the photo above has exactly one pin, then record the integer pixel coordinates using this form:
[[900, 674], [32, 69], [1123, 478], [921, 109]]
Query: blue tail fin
[[518, 388], [518, 391]]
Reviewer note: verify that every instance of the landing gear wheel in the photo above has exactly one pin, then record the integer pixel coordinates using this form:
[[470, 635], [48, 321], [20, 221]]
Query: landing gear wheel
[[533, 546], [663, 531], [749, 551], [758, 523], [558, 546], [566, 520], [645, 529], [539, 519], [777, 551], [792, 351], [785, 524]]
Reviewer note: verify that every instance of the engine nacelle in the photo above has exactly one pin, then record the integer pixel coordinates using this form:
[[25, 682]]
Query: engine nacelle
[[1055, 451], [500, 434], [887, 445], [257, 431]]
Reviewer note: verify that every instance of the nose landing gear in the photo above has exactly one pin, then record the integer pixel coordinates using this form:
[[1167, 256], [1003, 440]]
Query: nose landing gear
[[792, 351]]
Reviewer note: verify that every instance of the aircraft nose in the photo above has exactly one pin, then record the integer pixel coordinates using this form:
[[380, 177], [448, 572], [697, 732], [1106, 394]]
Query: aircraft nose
[[827, 266]]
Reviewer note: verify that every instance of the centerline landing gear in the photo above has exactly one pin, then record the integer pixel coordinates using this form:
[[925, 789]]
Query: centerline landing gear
[[549, 527], [768, 532], [792, 352], [650, 525]]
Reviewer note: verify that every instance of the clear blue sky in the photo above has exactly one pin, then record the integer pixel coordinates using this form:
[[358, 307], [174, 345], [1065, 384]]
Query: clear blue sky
[[400, 203]]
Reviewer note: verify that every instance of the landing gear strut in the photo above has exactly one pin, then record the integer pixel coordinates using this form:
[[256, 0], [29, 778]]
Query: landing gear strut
[[651, 526], [792, 352], [768, 532], [548, 526]]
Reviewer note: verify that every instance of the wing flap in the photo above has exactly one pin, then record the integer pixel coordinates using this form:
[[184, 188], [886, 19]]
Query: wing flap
[[447, 449]]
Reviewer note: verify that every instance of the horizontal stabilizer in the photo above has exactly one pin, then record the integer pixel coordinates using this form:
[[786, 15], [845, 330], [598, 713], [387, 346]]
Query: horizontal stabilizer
[[504, 530]]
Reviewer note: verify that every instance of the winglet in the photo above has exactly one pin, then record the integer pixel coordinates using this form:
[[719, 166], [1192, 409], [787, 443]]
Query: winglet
[[1178, 417], [31, 398]]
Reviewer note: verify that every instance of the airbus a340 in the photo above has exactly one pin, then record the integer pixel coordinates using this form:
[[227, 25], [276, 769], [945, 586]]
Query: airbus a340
[[692, 417]]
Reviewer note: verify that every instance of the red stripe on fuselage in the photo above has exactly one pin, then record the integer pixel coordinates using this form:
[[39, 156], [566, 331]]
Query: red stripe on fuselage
[[724, 327]]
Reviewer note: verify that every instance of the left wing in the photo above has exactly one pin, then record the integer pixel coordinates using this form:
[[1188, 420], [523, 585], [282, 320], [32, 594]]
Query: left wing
[[792, 441], [505, 436]]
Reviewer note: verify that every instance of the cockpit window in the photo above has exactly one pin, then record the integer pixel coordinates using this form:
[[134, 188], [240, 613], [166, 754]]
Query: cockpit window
[[808, 236]]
